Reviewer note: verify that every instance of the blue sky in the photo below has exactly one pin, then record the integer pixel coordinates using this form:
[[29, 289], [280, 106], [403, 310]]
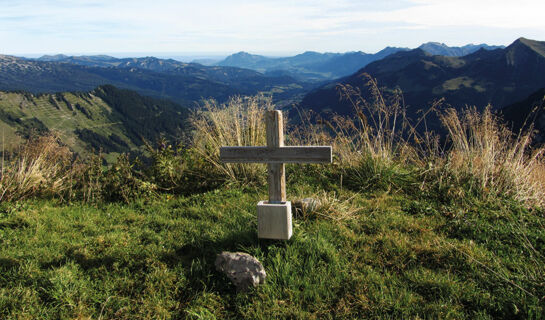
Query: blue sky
[[273, 27]]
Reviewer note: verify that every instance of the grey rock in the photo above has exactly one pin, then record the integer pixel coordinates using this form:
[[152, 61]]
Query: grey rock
[[244, 270], [306, 205]]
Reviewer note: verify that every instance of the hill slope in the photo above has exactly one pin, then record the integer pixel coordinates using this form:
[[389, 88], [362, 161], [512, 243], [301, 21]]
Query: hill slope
[[106, 118], [529, 110], [398, 257], [498, 77]]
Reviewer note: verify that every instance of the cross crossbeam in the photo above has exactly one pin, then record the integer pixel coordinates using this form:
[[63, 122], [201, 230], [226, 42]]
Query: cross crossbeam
[[318, 154], [275, 154]]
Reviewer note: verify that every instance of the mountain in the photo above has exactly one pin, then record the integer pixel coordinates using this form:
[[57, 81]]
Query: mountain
[[84, 60], [181, 82], [499, 77], [106, 118], [307, 66], [529, 110], [248, 61], [314, 66], [441, 49], [57, 57]]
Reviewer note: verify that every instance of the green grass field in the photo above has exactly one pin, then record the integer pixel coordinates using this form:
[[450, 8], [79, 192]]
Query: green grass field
[[403, 231], [387, 255]]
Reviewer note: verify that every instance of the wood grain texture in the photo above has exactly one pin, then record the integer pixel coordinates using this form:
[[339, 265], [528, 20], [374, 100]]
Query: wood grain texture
[[277, 182], [292, 154], [274, 129], [275, 139]]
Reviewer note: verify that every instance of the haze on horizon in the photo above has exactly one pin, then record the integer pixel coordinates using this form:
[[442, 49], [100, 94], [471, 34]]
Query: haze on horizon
[[216, 27]]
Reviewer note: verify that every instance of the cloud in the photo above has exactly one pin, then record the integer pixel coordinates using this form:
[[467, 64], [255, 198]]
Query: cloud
[[259, 25], [483, 13]]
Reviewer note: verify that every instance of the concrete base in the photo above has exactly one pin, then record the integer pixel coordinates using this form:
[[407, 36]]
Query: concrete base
[[274, 220]]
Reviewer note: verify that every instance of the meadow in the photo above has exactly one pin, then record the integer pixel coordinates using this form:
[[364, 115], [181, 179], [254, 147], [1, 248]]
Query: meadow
[[409, 225]]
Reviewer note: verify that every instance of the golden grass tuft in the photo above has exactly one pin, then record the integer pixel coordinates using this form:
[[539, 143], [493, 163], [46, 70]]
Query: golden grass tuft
[[486, 151], [41, 166], [378, 128], [239, 122]]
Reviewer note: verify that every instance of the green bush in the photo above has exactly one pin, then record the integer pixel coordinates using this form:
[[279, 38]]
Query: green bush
[[179, 170], [122, 182]]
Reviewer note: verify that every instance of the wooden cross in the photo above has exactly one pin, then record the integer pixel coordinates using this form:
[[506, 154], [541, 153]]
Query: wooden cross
[[275, 154]]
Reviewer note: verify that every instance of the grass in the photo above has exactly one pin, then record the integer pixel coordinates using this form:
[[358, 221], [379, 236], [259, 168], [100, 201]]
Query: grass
[[485, 151], [397, 256], [403, 229]]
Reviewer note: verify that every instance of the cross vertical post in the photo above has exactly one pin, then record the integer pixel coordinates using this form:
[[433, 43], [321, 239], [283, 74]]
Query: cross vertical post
[[275, 139], [274, 216]]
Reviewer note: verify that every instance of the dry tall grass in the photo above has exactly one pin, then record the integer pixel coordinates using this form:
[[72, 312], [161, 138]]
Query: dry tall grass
[[379, 128], [482, 152], [42, 166], [239, 122], [485, 151]]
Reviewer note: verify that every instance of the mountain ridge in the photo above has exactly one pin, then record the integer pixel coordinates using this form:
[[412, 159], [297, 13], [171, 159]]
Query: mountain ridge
[[498, 77], [317, 66], [184, 83], [530, 110]]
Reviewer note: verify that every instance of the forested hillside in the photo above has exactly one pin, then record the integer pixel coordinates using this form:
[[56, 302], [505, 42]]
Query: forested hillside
[[107, 118], [183, 83]]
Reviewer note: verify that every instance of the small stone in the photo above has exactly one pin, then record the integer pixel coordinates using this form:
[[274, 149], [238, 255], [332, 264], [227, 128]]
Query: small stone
[[306, 205], [244, 270]]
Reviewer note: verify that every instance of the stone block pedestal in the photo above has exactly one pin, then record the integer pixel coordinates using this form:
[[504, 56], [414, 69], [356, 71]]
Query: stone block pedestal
[[274, 220]]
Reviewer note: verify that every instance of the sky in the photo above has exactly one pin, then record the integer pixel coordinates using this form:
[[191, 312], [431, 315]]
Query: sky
[[272, 27]]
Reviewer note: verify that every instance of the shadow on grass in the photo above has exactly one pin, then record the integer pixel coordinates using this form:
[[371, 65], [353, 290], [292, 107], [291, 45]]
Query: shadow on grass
[[83, 261], [197, 258], [7, 264], [194, 260]]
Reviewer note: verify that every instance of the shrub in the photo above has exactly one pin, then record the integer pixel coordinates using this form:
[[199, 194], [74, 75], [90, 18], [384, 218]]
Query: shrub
[[122, 182], [179, 170]]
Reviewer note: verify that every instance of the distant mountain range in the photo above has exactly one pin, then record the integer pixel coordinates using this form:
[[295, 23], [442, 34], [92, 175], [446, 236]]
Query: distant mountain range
[[441, 49], [470, 75], [499, 77], [286, 79], [314, 66], [181, 82], [106, 118]]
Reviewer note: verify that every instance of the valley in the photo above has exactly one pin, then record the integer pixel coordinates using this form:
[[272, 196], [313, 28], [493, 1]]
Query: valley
[[41, 94]]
